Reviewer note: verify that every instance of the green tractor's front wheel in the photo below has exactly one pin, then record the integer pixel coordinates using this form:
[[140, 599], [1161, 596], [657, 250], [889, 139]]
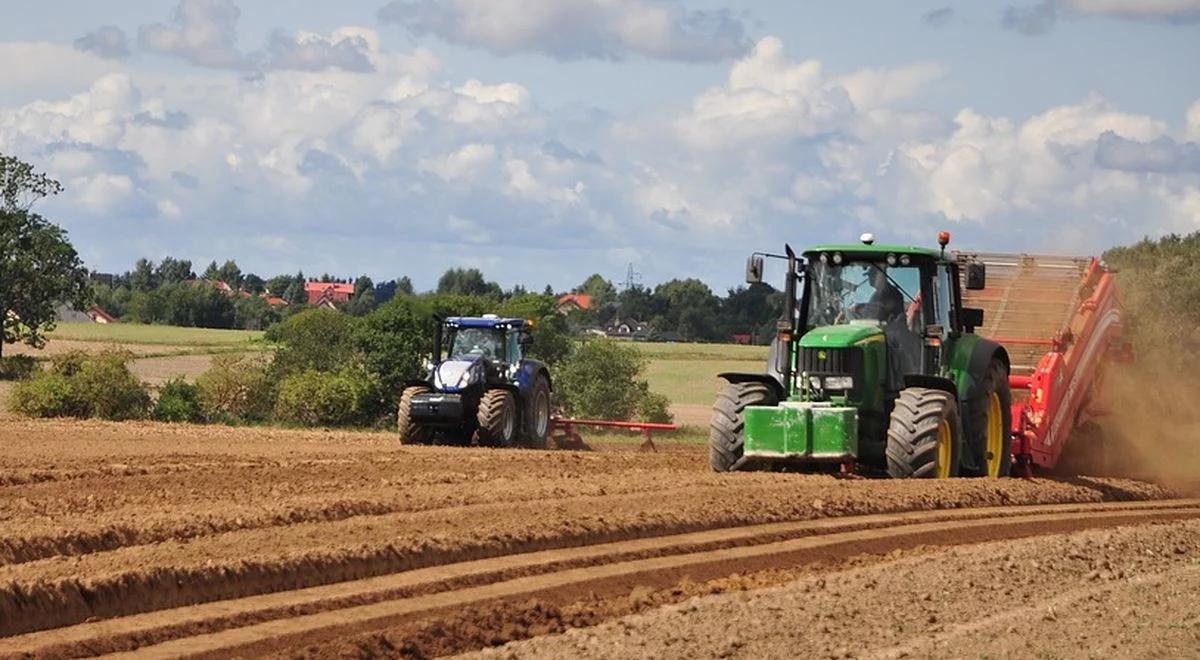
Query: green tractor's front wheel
[[726, 437], [923, 435]]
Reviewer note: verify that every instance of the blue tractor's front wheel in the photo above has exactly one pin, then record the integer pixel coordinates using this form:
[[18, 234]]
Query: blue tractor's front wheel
[[497, 418]]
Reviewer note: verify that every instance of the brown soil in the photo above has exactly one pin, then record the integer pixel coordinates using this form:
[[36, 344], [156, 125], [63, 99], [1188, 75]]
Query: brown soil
[[1132, 592], [104, 519]]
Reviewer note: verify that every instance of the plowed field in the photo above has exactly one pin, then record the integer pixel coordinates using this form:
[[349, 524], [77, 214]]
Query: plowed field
[[185, 539]]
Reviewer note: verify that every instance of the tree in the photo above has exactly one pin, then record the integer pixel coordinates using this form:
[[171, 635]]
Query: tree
[[600, 289], [467, 282], [230, 274], [253, 283], [602, 380], [38, 266], [171, 270], [142, 277], [691, 308], [363, 300], [212, 272], [294, 294]]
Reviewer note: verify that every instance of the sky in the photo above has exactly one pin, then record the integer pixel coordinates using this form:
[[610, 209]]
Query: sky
[[545, 140]]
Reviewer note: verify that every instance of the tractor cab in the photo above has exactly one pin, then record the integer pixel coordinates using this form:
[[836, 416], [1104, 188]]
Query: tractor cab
[[495, 339]]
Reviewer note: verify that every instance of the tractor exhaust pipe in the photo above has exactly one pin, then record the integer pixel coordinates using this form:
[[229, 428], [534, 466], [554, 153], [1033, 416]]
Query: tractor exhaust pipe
[[786, 327], [437, 338]]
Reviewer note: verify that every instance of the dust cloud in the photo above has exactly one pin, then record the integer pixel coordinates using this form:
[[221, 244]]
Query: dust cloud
[[1152, 429]]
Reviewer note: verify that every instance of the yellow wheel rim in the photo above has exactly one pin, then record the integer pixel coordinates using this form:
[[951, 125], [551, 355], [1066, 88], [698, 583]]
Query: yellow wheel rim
[[945, 450], [995, 436]]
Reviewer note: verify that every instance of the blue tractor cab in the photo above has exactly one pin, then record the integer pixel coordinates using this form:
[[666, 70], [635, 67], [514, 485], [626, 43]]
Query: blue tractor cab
[[479, 386]]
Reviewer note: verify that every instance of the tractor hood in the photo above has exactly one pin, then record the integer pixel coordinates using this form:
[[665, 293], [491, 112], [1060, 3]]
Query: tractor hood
[[458, 374], [840, 336]]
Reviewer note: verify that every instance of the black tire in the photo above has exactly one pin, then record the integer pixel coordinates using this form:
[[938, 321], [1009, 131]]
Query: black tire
[[726, 437], [915, 435], [537, 424], [497, 418], [977, 417], [411, 433]]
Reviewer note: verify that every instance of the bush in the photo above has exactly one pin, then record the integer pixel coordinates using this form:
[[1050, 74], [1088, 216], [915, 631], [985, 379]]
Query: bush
[[653, 407], [80, 384], [315, 339], [178, 401], [47, 395], [313, 398], [235, 388], [393, 340], [17, 367], [600, 380]]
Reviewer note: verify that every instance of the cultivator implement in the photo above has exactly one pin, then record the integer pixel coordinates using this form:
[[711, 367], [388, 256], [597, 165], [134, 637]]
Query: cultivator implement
[[1059, 319]]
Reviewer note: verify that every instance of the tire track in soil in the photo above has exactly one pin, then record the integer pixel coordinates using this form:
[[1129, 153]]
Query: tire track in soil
[[496, 592]]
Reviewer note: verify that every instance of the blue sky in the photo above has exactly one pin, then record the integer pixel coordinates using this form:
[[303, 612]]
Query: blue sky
[[543, 140]]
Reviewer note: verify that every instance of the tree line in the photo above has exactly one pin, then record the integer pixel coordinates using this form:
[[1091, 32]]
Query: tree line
[[171, 292]]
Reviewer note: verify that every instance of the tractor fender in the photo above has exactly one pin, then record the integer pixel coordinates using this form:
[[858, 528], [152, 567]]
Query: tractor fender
[[931, 383], [982, 354], [767, 379], [527, 375]]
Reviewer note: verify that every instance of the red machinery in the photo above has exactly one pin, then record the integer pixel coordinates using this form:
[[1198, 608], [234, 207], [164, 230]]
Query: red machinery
[[563, 432], [1059, 318]]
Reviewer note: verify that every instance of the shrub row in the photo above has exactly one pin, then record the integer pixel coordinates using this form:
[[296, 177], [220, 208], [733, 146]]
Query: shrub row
[[79, 384]]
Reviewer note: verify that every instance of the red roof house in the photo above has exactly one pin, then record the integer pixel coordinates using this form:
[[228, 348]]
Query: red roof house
[[570, 302], [328, 293]]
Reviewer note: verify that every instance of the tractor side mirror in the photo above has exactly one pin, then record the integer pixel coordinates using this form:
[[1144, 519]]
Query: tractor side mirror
[[754, 269], [972, 317], [976, 276]]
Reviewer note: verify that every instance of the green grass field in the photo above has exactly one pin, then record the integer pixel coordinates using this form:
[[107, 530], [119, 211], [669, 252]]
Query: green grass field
[[687, 373], [164, 335]]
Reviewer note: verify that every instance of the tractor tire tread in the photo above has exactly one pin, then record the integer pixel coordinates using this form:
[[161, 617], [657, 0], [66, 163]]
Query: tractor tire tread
[[411, 433], [493, 406], [726, 431], [912, 437]]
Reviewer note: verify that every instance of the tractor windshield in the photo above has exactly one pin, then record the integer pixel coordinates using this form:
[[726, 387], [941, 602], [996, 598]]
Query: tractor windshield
[[476, 342], [861, 291]]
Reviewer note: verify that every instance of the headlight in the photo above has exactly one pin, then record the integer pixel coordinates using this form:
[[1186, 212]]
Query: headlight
[[839, 383]]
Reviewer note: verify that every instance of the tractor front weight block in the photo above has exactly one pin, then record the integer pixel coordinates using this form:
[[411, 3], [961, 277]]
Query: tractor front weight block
[[437, 409], [806, 432]]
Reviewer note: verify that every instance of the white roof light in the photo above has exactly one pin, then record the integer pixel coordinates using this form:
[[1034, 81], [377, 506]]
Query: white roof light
[[867, 238]]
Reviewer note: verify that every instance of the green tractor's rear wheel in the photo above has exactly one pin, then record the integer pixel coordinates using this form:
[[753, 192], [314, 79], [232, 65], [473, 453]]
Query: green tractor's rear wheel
[[411, 433], [923, 435], [497, 418], [726, 438], [987, 423]]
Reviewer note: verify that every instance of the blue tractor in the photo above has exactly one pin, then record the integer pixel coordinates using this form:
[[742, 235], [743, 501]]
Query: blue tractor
[[480, 386]]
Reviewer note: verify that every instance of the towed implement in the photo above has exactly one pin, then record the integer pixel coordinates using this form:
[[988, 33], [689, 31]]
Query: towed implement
[[883, 363]]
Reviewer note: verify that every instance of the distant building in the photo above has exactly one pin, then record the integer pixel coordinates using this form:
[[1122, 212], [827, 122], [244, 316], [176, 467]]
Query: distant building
[[93, 314], [624, 328], [742, 338], [573, 302], [328, 294]]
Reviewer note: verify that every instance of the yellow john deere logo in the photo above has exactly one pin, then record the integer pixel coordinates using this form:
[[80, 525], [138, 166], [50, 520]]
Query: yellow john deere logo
[[820, 355]]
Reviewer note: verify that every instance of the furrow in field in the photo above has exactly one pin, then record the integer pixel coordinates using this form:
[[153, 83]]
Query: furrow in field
[[61, 591], [303, 617]]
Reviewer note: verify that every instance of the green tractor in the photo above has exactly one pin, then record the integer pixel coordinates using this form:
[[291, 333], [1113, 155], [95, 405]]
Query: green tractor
[[875, 367]]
